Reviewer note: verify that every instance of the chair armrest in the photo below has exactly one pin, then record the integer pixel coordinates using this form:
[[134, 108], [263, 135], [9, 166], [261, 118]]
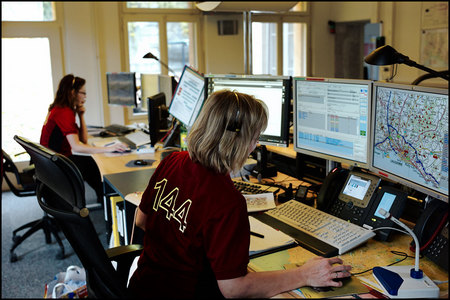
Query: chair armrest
[[124, 256], [123, 251]]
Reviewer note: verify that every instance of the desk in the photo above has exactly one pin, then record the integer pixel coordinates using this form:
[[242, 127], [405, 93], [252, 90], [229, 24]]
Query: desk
[[371, 254], [122, 184]]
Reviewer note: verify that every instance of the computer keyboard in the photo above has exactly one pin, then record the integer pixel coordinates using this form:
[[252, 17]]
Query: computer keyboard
[[250, 188], [116, 128], [138, 138], [315, 230]]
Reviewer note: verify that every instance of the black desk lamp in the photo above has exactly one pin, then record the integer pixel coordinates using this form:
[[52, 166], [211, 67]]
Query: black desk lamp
[[150, 55], [386, 55]]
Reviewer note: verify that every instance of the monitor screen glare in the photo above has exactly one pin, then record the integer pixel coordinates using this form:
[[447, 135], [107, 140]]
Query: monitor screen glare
[[274, 91], [410, 140], [122, 88], [331, 119]]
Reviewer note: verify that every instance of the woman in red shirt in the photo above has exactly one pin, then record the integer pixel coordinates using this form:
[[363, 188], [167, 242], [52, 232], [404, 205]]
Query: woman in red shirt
[[62, 134], [197, 233]]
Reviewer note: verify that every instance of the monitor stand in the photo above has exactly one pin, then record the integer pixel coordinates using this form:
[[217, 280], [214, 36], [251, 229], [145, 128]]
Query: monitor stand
[[263, 169], [173, 139]]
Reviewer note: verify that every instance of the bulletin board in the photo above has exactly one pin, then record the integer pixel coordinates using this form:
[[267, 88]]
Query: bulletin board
[[434, 38]]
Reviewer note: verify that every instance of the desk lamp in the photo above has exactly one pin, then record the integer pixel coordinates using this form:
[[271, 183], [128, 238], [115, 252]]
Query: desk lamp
[[405, 281], [150, 55], [386, 55]]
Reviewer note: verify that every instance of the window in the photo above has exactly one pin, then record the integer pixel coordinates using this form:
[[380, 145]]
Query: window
[[32, 66], [169, 34], [161, 4], [27, 89], [279, 41], [27, 11]]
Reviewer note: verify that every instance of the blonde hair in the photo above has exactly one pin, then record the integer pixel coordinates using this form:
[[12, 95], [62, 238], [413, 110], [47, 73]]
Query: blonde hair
[[226, 126]]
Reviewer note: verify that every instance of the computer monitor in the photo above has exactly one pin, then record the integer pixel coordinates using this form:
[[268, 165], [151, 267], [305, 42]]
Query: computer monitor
[[157, 117], [332, 119], [188, 97], [121, 88], [410, 140], [274, 91]]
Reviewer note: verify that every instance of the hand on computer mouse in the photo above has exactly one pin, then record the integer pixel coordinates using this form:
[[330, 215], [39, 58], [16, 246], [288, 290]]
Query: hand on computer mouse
[[118, 147]]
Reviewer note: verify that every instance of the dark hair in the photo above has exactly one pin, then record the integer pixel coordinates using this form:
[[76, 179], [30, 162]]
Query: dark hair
[[64, 97]]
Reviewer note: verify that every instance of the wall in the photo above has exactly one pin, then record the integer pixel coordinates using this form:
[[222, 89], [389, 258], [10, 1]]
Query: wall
[[223, 53], [94, 46]]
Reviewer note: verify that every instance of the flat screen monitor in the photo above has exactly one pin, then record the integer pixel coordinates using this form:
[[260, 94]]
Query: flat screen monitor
[[157, 117], [188, 97], [121, 88], [331, 119], [274, 91], [410, 140]]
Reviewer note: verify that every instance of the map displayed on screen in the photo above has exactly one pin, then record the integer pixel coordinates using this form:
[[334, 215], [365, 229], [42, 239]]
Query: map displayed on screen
[[411, 136]]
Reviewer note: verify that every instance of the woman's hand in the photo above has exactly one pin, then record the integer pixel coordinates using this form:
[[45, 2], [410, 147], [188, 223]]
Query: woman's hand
[[117, 147], [80, 110], [321, 271]]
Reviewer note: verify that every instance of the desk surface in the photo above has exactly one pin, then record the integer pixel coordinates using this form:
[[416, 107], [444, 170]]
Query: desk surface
[[129, 182]]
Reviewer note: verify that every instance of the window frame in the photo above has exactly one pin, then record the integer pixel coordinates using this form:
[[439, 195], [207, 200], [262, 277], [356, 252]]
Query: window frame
[[279, 19], [162, 17]]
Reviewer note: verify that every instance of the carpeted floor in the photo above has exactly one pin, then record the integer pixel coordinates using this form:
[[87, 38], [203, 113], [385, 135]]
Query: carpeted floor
[[37, 263]]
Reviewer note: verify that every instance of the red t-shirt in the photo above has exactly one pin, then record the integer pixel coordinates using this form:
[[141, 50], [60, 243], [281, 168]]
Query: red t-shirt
[[197, 231], [59, 123]]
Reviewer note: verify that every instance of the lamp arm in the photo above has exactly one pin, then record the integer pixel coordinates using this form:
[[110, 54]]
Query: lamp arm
[[167, 67], [428, 76], [416, 65]]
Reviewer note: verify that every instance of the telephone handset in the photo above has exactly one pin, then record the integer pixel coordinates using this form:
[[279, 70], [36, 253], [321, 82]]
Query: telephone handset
[[331, 188], [432, 232]]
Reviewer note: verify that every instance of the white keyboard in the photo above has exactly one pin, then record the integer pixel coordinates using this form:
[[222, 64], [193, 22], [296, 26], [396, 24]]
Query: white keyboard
[[138, 138], [327, 228]]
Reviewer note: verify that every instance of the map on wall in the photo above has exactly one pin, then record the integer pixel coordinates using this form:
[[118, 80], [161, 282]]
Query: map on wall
[[434, 39], [434, 48]]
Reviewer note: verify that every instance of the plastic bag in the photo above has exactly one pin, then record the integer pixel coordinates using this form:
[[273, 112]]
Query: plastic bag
[[70, 284]]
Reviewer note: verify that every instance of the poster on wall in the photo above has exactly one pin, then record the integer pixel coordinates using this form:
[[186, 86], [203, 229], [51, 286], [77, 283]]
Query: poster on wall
[[434, 48]]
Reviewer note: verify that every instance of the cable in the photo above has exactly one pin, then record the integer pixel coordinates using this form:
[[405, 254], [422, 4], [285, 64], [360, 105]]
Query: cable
[[405, 256]]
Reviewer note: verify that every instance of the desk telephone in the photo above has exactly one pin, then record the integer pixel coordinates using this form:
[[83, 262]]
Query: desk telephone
[[356, 196], [432, 232]]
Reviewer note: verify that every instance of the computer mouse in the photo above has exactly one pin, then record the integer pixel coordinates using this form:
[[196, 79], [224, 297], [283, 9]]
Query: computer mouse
[[140, 162]]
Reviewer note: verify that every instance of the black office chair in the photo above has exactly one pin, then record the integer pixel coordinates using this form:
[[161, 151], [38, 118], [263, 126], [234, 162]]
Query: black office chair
[[60, 193], [26, 186]]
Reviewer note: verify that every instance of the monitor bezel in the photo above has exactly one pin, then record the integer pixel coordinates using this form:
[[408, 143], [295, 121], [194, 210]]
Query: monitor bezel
[[386, 174], [267, 140], [199, 102], [350, 162], [108, 83]]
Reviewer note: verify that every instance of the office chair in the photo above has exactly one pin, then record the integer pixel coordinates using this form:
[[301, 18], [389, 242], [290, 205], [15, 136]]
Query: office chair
[[26, 186], [60, 193]]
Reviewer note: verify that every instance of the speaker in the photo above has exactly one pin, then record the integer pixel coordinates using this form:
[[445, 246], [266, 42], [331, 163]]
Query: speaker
[[227, 27]]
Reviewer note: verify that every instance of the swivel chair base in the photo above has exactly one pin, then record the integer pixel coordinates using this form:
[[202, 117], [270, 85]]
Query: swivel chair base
[[48, 225]]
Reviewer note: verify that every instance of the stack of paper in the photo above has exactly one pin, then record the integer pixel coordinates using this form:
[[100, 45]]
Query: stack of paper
[[273, 239], [260, 202]]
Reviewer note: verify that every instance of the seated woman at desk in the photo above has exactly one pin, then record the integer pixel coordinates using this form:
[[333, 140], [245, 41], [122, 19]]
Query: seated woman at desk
[[62, 134], [197, 233]]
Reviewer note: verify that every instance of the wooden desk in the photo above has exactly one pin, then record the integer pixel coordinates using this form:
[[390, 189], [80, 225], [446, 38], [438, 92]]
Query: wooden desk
[[371, 254], [286, 151]]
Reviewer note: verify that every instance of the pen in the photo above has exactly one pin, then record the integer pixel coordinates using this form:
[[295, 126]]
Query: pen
[[257, 234], [110, 144]]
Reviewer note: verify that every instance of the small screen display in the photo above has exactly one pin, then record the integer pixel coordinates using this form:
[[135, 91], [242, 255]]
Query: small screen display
[[386, 203], [356, 187]]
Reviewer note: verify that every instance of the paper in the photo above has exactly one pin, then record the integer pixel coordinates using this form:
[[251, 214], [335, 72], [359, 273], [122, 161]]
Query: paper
[[134, 198], [260, 202], [272, 238]]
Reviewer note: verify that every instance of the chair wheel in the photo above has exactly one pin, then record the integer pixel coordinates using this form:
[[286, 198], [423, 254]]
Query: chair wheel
[[16, 238], [13, 257]]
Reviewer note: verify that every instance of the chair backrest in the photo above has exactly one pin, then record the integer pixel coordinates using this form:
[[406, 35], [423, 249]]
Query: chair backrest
[[26, 186], [61, 194]]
